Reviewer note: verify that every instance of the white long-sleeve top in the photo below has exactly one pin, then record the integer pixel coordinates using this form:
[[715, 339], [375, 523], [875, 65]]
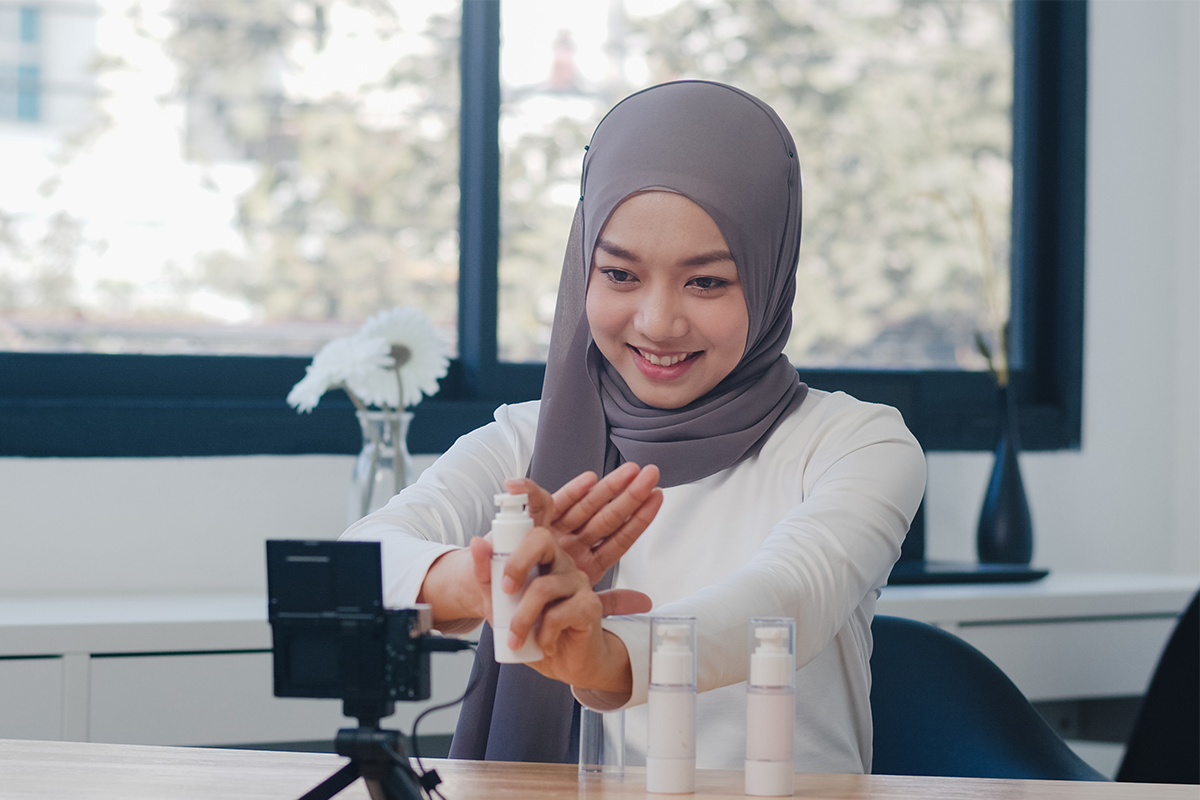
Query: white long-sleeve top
[[808, 528]]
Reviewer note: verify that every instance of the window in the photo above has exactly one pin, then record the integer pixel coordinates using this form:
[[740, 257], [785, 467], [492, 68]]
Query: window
[[76, 404], [20, 64], [901, 114], [251, 179]]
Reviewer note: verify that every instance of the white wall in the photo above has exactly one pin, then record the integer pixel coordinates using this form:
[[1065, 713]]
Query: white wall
[[1128, 501]]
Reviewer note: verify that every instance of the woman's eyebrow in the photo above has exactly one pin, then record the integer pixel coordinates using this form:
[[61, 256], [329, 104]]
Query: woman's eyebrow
[[711, 257], [616, 250], [698, 260]]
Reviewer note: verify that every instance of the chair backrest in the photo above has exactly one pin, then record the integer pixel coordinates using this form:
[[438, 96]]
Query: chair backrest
[[941, 707], [1164, 746]]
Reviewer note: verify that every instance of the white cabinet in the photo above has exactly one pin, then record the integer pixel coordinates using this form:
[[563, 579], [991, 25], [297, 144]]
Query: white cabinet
[[1065, 637], [212, 698], [31, 698], [1065, 659], [197, 670], [172, 671]]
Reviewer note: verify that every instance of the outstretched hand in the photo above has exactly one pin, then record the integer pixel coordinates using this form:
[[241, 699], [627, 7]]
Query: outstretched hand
[[595, 521], [562, 612]]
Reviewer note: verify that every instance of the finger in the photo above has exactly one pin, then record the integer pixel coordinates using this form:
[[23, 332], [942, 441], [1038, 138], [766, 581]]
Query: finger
[[615, 602], [599, 496], [539, 502], [481, 557], [543, 592], [536, 549], [481, 564], [572, 492], [612, 516], [617, 544], [568, 624]]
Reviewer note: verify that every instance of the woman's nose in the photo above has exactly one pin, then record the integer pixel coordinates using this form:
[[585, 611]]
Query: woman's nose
[[661, 316]]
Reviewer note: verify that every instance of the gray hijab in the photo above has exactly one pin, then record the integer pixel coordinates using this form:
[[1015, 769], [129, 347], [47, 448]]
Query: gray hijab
[[729, 153]]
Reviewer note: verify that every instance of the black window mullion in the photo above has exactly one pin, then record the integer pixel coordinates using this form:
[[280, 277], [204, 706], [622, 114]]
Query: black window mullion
[[479, 193], [1049, 174]]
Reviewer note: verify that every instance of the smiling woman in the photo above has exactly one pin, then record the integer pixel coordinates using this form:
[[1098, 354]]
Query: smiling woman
[[664, 301], [667, 372]]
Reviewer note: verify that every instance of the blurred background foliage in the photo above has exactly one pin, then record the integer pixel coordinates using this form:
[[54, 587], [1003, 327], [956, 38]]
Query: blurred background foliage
[[330, 130], [901, 112]]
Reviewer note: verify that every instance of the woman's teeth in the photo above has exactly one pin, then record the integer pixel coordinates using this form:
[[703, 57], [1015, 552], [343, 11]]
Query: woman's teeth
[[663, 361]]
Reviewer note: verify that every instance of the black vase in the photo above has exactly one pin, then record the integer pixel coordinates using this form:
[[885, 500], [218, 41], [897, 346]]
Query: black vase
[[1005, 533]]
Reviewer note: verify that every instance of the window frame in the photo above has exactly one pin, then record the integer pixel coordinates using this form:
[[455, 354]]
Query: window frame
[[78, 405]]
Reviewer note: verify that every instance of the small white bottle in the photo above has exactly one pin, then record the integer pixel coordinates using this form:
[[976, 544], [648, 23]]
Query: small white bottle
[[509, 527], [671, 735], [771, 707]]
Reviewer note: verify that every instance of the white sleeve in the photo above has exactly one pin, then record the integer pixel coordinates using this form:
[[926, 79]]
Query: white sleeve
[[862, 483], [452, 501]]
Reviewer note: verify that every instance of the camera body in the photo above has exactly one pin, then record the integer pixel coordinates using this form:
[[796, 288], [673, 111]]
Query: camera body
[[331, 635]]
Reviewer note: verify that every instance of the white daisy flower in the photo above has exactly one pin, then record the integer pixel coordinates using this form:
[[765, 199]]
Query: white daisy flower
[[419, 351], [341, 362]]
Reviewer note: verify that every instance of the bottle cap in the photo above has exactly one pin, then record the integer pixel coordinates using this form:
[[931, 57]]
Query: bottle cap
[[772, 647], [512, 522], [673, 651]]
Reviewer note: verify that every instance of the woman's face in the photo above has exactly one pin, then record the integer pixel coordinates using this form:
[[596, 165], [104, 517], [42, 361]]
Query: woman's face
[[664, 302]]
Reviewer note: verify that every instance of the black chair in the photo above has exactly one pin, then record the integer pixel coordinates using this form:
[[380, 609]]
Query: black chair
[[1164, 746], [941, 707]]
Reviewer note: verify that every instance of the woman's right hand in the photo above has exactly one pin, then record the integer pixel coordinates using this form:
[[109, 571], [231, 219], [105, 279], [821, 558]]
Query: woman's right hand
[[595, 521], [562, 612]]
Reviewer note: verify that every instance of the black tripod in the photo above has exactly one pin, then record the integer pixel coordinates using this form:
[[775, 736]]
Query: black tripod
[[376, 755]]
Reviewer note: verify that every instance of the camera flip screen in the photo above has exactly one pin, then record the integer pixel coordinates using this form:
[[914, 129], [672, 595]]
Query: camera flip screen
[[327, 620]]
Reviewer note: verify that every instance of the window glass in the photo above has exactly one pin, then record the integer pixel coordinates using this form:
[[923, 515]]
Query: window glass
[[20, 60], [223, 176], [901, 113]]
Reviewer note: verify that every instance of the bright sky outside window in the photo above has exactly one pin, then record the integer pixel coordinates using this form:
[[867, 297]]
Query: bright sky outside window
[[221, 176]]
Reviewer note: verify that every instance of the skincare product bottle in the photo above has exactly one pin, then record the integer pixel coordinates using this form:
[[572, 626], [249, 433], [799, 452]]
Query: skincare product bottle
[[671, 738], [771, 707], [509, 527]]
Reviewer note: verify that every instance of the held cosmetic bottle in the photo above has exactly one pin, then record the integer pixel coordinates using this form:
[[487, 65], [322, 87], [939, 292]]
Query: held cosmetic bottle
[[771, 707], [509, 527], [671, 738]]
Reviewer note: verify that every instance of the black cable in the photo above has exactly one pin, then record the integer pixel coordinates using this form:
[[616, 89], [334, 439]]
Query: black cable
[[470, 685], [428, 781]]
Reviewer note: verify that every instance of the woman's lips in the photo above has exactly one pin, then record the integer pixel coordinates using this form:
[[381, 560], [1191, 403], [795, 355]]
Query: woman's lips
[[669, 366]]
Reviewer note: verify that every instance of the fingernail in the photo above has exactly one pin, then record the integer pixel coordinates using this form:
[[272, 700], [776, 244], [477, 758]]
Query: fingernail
[[513, 641], [508, 585]]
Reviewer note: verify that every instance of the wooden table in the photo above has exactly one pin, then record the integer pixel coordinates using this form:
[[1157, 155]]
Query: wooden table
[[40, 769]]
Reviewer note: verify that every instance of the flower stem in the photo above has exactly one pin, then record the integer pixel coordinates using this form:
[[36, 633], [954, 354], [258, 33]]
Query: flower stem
[[400, 470]]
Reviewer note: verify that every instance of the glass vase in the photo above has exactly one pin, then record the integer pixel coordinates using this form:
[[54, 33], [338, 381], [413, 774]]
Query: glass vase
[[384, 465], [1005, 534]]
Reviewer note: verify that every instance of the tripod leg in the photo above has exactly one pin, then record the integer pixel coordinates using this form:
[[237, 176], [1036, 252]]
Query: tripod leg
[[394, 784], [334, 783]]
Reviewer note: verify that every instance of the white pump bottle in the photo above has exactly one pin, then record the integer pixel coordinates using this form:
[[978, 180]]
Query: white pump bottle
[[671, 734], [509, 527], [771, 707]]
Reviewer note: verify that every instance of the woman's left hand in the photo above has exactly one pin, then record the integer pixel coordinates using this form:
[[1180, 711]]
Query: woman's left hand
[[577, 650], [595, 520]]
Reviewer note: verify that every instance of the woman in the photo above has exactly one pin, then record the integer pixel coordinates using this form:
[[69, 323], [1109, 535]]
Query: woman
[[759, 497]]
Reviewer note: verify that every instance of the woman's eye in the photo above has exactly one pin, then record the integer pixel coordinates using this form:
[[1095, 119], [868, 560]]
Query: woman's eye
[[708, 284], [617, 275]]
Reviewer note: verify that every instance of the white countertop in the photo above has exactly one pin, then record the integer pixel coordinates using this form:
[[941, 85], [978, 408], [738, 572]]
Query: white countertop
[[133, 624], [1058, 595], [31, 626]]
